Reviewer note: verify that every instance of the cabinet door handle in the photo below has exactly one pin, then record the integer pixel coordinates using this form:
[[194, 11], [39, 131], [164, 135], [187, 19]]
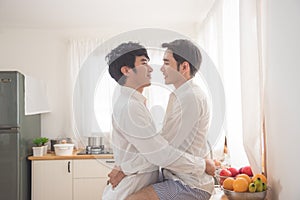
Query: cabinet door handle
[[69, 166], [110, 161]]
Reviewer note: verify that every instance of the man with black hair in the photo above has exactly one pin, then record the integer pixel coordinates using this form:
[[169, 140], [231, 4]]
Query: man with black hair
[[138, 149]]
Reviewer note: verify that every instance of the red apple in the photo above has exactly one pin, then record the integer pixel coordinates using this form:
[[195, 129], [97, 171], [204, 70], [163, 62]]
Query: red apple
[[247, 170], [224, 173], [240, 170], [233, 171]]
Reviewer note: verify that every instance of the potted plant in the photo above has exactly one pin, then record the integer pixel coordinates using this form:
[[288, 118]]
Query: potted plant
[[38, 150], [45, 146]]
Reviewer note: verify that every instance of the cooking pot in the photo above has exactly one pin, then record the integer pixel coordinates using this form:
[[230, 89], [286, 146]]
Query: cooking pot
[[95, 141]]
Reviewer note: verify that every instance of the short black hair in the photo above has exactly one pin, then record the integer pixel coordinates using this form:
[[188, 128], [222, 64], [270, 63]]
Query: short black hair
[[124, 55], [185, 50]]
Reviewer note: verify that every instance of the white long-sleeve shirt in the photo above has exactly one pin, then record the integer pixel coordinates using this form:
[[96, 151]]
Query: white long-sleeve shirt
[[134, 134], [185, 127]]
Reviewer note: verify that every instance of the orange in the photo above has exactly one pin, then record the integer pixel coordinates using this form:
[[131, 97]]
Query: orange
[[245, 176], [240, 185], [261, 176], [228, 183]]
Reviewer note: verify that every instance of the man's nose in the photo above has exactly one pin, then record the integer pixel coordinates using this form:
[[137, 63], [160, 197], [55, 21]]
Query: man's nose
[[150, 68]]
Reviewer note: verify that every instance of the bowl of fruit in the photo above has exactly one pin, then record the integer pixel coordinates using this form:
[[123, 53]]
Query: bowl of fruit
[[242, 187], [242, 184], [231, 195]]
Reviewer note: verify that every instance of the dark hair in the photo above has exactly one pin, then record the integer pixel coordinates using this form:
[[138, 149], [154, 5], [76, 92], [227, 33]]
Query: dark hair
[[185, 50], [124, 55]]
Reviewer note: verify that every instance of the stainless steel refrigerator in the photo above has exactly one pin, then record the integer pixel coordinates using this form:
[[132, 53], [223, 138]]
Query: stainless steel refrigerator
[[16, 134]]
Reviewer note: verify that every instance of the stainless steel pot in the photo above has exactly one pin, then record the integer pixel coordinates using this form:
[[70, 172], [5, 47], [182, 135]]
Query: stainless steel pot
[[95, 141]]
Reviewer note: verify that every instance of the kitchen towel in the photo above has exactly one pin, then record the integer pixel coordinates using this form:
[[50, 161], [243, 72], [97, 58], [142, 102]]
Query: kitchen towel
[[36, 100]]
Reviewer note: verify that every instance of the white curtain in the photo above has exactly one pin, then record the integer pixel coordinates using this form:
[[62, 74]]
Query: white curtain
[[230, 36], [80, 50], [210, 39], [252, 80]]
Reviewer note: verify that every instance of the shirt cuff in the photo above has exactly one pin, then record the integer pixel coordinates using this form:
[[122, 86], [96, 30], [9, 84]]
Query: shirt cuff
[[201, 165], [127, 169]]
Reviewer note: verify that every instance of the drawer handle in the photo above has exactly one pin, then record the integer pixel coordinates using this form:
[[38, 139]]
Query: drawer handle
[[110, 161], [69, 167]]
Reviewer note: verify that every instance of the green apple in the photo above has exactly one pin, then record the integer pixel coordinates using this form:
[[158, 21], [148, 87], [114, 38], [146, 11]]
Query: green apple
[[252, 187], [264, 186], [259, 185]]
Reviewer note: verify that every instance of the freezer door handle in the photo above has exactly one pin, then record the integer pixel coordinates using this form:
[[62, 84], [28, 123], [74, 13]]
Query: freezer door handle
[[5, 130], [5, 80]]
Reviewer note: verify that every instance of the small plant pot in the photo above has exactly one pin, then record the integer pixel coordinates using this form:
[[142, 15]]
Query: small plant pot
[[38, 151], [45, 148]]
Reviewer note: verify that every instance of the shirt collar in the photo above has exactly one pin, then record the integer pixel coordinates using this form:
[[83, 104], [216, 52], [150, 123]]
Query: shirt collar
[[132, 93], [184, 87]]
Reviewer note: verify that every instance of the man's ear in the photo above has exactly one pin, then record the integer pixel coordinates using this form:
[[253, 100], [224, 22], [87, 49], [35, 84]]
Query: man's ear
[[185, 66], [125, 70]]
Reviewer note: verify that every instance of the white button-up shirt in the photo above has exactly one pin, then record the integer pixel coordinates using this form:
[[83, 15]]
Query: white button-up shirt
[[186, 126], [138, 148]]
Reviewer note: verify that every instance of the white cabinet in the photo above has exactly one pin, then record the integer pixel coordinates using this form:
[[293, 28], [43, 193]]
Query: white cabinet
[[69, 179], [89, 178], [52, 179]]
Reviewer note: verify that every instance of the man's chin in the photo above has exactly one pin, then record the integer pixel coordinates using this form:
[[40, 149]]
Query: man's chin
[[145, 85]]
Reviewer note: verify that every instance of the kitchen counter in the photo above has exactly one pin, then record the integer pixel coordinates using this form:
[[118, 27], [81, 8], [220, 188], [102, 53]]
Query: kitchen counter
[[52, 156]]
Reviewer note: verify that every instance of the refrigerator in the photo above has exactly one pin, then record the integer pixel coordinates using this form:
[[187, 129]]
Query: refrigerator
[[16, 134]]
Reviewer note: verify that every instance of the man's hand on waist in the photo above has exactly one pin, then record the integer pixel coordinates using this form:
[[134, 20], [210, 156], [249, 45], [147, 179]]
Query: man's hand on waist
[[115, 176], [210, 167]]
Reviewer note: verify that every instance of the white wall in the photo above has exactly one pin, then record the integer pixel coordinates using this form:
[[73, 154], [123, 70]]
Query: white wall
[[44, 54], [282, 59]]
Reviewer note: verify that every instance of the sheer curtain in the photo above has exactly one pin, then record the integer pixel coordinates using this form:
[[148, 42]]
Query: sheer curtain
[[230, 36], [210, 39], [252, 80], [79, 51]]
